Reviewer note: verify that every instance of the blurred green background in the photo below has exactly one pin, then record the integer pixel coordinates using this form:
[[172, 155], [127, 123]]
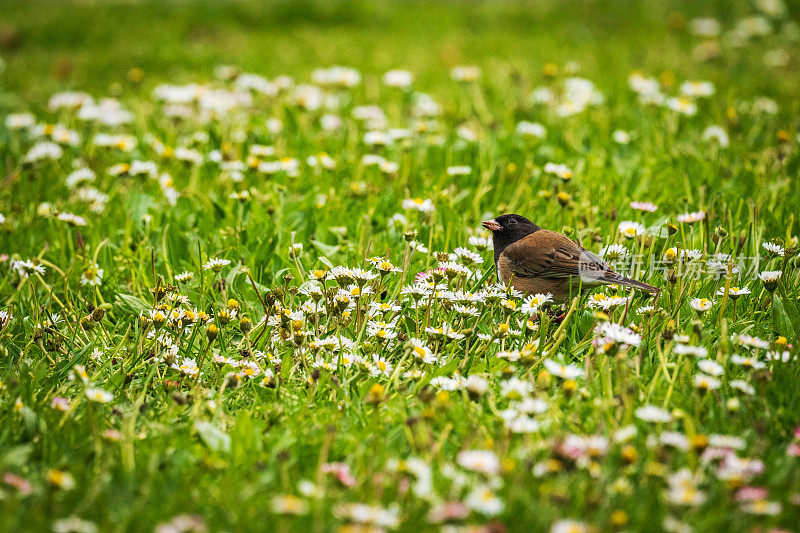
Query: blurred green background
[[91, 45]]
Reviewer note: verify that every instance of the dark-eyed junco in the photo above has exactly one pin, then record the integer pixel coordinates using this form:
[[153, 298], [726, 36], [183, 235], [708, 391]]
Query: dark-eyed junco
[[535, 260]]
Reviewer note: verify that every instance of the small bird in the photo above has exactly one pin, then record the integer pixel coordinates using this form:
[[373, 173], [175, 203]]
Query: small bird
[[535, 260]]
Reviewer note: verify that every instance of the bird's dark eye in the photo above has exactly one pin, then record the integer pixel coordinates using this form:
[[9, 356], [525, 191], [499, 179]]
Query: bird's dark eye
[[512, 222]]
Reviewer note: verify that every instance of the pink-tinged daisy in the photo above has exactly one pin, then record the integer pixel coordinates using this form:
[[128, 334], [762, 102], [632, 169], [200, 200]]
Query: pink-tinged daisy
[[696, 216], [644, 206]]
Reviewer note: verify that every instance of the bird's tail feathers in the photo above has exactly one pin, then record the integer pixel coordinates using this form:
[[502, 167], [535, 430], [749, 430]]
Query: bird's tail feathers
[[613, 277]]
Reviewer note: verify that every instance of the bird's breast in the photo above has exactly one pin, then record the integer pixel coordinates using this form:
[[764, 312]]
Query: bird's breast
[[503, 268]]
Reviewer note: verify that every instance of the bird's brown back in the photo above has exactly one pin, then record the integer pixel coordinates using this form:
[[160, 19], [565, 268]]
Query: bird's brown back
[[548, 254]]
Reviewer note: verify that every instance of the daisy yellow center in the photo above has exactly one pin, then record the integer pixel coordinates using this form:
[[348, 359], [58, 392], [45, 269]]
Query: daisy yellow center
[[689, 494], [292, 503], [760, 506]]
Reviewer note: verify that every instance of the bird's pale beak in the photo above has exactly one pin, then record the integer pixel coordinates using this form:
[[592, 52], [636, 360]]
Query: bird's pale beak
[[491, 225]]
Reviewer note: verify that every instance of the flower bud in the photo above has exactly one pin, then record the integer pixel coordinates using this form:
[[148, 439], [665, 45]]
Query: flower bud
[[376, 394], [732, 404], [618, 519], [159, 292], [791, 245], [669, 330], [630, 454], [543, 379], [232, 380]]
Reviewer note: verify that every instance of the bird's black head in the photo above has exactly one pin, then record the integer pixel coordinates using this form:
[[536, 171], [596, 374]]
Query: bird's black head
[[508, 229]]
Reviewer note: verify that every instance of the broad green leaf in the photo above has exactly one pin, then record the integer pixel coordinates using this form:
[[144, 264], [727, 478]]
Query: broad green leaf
[[783, 323], [326, 249], [132, 304], [213, 437]]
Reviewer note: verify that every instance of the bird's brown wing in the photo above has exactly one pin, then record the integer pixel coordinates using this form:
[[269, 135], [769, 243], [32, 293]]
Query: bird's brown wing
[[548, 254]]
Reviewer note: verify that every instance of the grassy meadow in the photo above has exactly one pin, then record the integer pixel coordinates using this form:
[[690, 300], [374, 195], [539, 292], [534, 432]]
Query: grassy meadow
[[244, 285]]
